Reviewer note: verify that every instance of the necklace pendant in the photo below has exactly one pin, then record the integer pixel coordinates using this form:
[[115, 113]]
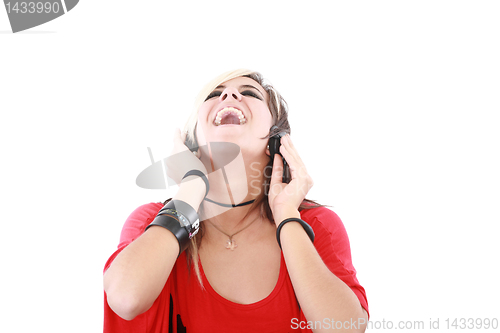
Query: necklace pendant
[[231, 245]]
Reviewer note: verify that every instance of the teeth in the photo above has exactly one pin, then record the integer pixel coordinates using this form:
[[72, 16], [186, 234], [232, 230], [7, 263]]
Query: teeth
[[237, 112]]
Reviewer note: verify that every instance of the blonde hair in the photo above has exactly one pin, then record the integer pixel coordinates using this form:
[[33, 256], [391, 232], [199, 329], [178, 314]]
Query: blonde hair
[[279, 112]]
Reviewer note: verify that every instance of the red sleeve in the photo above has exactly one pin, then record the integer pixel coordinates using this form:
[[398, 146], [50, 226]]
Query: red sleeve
[[332, 243], [134, 227]]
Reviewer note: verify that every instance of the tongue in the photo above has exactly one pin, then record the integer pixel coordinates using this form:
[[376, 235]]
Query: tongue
[[230, 119]]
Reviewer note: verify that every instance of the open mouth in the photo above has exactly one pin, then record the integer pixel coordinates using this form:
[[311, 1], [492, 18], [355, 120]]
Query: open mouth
[[229, 116]]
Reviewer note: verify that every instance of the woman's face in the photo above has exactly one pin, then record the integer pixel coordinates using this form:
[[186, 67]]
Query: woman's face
[[236, 111]]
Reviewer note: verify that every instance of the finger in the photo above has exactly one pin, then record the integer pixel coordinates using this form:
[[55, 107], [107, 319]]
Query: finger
[[177, 135], [290, 160], [276, 176], [183, 136], [287, 142], [178, 141], [292, 152], [297, 167], [289, 156], [276, 184]]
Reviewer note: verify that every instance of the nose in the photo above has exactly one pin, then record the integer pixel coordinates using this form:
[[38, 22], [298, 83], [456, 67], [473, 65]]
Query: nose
[[230, 92]]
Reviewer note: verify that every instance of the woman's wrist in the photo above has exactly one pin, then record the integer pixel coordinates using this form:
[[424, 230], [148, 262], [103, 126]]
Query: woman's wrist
[[295, 222], [285, 213], [192, 191]]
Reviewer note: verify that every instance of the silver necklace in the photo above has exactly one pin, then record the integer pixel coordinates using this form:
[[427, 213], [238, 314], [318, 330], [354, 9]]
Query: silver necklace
[[230, 243]]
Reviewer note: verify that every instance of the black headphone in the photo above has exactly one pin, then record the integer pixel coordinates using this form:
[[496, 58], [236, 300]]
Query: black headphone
[[274, 148]]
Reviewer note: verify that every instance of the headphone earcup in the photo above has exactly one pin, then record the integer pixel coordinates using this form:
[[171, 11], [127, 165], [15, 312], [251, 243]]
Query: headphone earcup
[[275, 142]]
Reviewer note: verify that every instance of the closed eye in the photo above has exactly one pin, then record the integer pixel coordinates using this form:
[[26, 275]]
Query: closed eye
[[217, 93], [213, 94], [250, 93]]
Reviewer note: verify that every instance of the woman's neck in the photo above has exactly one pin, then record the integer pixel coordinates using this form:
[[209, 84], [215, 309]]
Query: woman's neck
[[238, 182]]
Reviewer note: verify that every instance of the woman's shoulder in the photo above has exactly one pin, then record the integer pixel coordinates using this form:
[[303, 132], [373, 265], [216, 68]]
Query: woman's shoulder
[[321, 217], [331, 239], [327, 226], [146, 210], [137, 222]]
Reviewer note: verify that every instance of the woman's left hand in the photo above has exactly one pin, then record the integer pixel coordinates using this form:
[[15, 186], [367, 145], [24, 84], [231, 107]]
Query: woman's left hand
[[284, 197]]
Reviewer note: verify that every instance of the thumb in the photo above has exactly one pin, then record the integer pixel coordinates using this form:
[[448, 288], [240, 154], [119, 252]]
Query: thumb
[[177, 135]]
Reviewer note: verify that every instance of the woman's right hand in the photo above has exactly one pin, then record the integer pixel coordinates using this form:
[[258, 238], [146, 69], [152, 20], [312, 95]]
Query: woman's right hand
[[182, 160]]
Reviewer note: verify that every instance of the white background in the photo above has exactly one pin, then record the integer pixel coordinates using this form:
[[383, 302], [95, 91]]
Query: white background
[[393, 104]]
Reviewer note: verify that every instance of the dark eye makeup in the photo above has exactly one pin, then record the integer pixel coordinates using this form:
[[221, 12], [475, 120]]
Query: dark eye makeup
[[250, 93], [213, 94], [216, 93]]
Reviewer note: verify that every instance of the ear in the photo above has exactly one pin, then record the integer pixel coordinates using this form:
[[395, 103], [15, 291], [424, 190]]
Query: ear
[[268, 152]]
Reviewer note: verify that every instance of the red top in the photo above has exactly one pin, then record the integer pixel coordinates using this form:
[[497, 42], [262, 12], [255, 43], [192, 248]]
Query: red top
[[203, 310]]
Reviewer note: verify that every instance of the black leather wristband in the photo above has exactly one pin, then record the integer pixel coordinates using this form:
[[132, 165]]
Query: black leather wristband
[[184, 208], [200, 174], [181, 219], [303, 223], [172, 224]]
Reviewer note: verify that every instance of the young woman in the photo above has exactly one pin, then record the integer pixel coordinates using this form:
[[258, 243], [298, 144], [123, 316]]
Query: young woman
[[262, 259]]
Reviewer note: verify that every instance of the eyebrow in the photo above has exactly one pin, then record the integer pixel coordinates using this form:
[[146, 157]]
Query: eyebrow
[[243, 86]]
